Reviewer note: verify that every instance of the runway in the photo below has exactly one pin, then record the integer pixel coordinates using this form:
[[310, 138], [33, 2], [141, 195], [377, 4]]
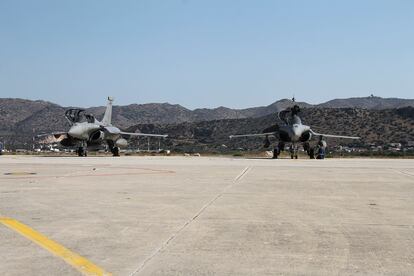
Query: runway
[[206, 216]]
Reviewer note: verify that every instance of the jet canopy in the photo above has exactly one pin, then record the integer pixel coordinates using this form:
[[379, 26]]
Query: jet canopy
[[90, 118], [290, 115], [73, 115], [76, 115]]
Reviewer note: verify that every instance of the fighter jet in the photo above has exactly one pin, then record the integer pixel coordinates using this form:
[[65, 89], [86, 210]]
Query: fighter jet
[[86, 132], [294, 132]]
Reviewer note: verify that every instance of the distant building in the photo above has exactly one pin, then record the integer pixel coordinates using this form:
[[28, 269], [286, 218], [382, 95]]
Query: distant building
[[395, 145]]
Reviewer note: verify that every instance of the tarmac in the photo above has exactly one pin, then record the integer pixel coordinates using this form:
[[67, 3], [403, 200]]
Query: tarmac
[[206, 216]]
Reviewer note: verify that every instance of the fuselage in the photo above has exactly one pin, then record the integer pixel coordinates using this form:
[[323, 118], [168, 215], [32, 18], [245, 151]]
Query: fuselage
[[94, 134], [83, 130], [295, 131]]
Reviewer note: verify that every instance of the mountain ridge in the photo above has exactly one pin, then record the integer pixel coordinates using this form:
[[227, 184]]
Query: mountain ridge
[[21, 119], [14, 111]]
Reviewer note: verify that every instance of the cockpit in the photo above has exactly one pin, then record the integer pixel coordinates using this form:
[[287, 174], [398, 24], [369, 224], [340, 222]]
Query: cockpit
[[90, 118], [76, 115], [293, 118]]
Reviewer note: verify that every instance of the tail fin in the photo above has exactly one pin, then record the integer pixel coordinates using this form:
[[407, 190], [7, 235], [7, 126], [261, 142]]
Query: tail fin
[[108, 112]]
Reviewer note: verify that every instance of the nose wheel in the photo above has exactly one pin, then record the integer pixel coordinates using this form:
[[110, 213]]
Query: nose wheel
[[82, 152], [293, 152]]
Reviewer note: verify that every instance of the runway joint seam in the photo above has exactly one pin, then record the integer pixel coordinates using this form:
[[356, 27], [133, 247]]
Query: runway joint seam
[[187, 223]]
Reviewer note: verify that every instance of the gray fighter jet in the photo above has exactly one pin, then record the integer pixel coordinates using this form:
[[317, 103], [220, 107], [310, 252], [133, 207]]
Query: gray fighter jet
[[86, 132], [294, 132]]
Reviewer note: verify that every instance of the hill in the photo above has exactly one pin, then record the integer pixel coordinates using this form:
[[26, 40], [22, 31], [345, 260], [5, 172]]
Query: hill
[[13, 111], [374, 126], [21, 119], [371, 102]]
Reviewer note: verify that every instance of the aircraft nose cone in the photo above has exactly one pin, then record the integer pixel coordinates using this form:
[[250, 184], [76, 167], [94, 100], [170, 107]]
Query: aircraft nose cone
[[296, 133], [75, 132]]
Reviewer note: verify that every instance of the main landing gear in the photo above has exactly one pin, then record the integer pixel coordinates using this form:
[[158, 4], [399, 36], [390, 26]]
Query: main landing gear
[[115, 151], [309, 150], [277, 150], [112, 148], [317, 152]]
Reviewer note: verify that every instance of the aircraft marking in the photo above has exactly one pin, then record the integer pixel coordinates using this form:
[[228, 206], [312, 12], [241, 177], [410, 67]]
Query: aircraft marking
[[19, 173], [82, 264], [140, 171]]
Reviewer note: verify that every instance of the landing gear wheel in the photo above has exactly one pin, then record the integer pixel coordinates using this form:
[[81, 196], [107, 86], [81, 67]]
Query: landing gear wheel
[[82, 152], [115, 151], [312, 153], [293, 152], [276, 153], [306, 147]]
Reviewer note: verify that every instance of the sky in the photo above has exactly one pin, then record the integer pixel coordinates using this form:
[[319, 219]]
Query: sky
[[205, 53]]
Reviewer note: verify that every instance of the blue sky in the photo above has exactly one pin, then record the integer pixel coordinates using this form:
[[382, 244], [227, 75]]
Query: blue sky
[[205, 53]]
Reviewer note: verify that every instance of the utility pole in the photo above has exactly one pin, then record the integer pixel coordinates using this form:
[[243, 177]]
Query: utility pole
[[138, 143], [33, 140]]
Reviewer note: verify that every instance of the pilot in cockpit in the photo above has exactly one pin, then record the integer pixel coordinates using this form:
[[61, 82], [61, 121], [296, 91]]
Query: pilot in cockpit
[[293, 118], [90, 118]]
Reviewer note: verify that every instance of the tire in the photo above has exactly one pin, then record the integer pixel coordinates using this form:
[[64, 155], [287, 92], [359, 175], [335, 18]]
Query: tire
[[275, 153], [312, 153], [115, 152], [81, 152]]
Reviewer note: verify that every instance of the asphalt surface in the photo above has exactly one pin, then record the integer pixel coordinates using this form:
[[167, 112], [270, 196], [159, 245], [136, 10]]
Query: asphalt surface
[[208, 216]]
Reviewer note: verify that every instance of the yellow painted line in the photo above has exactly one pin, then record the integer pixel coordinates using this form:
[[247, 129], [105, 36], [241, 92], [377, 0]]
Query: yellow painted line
[[75, 260]]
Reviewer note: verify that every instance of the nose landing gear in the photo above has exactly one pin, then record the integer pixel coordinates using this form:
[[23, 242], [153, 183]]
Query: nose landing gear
[[82, 152], [293, 151]]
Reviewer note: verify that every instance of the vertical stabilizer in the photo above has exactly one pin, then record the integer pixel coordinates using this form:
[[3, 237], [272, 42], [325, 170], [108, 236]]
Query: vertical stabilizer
[[108, 112]]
